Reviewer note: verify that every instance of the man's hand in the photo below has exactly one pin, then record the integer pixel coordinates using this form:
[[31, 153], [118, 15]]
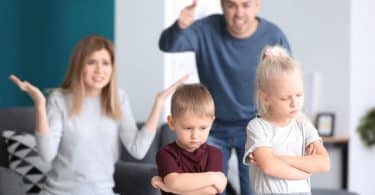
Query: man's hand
[[187, 15]]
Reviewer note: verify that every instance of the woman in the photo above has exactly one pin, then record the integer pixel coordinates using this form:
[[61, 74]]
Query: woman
[[80, 129]]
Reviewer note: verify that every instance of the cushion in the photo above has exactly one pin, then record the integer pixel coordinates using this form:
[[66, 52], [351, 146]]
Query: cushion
[[24, 159], [10, 182]]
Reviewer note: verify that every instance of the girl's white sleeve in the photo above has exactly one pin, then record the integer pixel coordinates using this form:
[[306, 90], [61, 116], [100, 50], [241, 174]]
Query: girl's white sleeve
[[311, 134], [257, 135]]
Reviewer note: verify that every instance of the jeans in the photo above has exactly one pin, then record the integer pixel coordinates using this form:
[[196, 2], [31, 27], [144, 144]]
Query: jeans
[[226, 137]]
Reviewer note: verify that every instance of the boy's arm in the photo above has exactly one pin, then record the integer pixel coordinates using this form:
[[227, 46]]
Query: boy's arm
[[158, 183], [273, 166], [203, 191], [318, 162], [189, 182]]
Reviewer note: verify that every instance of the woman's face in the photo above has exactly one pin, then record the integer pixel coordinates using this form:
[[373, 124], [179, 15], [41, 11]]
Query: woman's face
[[97, 72]]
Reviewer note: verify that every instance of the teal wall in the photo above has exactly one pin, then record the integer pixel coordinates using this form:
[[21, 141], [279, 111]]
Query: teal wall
[[39, 36]]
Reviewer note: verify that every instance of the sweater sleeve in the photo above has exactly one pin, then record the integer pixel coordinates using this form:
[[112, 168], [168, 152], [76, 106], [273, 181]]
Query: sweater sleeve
[[137, 142], [175, 39], [48, 143]]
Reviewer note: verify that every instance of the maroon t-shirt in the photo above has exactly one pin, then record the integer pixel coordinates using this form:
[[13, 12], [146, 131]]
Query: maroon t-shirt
[[173, 159]]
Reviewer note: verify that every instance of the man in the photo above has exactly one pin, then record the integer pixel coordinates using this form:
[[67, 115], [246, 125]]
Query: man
[[227, 48]]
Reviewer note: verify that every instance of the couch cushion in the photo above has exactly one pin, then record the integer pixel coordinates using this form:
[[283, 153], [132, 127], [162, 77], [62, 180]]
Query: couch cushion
[[135, 178], [10, 182], [24, 159], [19, 119]]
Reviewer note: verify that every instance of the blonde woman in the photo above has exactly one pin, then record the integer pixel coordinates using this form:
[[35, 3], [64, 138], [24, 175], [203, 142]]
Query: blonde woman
[[80, 126]]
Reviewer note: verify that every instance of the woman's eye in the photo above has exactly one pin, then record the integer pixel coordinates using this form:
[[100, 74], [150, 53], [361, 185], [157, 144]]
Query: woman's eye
[[90, 62]]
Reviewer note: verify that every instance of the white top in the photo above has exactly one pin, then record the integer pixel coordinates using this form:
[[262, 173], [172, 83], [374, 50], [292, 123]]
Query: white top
[[84, 149], [289, 140]]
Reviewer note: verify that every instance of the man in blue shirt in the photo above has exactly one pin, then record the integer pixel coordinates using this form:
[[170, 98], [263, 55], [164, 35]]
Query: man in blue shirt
[[227, 48]]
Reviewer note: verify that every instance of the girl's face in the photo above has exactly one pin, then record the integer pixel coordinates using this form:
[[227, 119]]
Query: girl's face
[[97, 72], [284, 98]]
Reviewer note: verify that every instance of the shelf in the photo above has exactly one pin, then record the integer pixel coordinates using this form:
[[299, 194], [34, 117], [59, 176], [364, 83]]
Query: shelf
[[336, 139]]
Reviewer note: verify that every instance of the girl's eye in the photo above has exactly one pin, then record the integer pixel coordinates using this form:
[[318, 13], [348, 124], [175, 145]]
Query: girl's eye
[[106, 63]]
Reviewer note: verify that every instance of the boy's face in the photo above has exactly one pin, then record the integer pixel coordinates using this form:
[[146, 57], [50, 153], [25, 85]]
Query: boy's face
[[191, 130]]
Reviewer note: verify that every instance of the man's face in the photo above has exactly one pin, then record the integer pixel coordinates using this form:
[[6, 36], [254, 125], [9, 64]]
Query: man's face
[[240, 16]]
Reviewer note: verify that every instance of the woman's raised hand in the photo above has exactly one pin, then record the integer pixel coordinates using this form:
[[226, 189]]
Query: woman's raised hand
[[35, 94], [162, 96]]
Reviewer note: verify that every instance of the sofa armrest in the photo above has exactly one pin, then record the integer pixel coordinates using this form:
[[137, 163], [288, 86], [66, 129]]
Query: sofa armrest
[[11, 182], [135, 178]]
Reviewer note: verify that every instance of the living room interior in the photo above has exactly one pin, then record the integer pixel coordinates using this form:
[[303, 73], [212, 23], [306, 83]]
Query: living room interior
[[332, 41]]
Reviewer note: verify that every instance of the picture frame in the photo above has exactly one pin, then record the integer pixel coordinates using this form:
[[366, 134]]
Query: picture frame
[[325, 123]]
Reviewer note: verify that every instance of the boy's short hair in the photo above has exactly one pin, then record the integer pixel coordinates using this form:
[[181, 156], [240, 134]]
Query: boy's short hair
[[193, 99]]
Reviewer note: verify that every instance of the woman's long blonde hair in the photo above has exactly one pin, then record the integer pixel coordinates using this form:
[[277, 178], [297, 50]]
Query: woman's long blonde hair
[[74, 83]]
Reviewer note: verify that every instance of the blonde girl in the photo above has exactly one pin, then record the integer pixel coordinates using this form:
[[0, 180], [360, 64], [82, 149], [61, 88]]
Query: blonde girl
[[283, 148]]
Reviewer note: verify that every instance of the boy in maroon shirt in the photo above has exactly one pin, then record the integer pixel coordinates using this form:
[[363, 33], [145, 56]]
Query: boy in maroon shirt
[[189, 165]]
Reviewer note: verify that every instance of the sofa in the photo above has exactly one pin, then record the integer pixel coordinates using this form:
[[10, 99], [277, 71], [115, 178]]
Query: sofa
[[131, 176]]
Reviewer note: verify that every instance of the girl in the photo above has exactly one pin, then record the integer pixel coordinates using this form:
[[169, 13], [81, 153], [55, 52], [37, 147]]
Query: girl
[[85, 119], [279, 137]]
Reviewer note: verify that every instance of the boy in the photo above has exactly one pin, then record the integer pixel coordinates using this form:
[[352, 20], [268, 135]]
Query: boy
[[189, 165]]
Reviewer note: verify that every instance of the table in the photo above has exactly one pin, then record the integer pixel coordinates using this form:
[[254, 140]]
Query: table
[[342, 143]]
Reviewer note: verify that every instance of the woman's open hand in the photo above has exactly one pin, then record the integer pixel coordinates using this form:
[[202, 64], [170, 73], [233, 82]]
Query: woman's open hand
[[162, 96], [35, 94]]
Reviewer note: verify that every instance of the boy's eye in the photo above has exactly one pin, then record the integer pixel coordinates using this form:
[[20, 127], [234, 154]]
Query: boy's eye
[[246, 5], [203, 128]]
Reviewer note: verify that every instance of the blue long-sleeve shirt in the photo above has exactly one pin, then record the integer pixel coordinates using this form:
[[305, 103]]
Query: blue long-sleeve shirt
[[226, 65]]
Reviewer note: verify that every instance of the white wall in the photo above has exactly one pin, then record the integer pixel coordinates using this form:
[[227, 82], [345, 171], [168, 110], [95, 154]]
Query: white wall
[[362, 94], [318, 32], [336, 38], [137, 28]]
